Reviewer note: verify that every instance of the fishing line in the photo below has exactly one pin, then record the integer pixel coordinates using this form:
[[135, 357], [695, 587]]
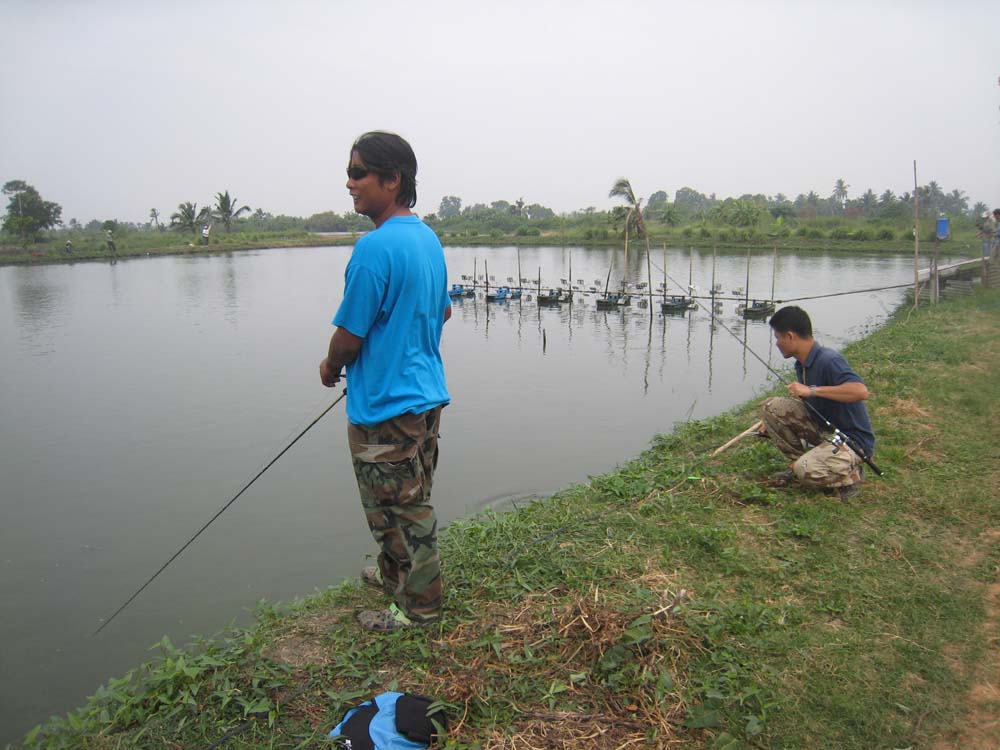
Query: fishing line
[[840, 294], [839, 437], [219, 513]]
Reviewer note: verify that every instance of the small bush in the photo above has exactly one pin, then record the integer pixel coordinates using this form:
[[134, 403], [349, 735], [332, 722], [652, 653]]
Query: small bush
[[885, 234], [687, 232], [705, 233], [839, 233], [528, 232], [862, 235]]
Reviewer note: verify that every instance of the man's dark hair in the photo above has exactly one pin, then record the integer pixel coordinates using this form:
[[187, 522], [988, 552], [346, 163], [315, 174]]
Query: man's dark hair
[[792, 319], [385, 154]]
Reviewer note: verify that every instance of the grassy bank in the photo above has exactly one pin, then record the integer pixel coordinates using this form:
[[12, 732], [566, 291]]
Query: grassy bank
[[92, 246], [677, 601]]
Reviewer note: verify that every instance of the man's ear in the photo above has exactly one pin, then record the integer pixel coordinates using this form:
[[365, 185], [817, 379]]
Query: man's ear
[[392, 182]]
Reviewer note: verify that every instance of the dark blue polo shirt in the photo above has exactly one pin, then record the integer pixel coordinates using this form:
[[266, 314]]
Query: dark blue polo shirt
[[828, 367]]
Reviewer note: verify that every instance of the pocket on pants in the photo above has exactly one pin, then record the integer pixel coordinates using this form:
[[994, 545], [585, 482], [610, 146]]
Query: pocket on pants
[[389, 482]]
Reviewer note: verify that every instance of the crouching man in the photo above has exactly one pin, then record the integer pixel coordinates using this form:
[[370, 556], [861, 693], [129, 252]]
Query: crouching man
[[826, 383]]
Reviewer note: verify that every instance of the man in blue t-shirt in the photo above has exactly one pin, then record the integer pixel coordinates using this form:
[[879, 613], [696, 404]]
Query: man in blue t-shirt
[[836, 396], [388, 336]]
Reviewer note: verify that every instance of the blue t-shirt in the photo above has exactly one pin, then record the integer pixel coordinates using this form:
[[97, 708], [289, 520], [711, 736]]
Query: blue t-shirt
[[828, 367], [395, 297]]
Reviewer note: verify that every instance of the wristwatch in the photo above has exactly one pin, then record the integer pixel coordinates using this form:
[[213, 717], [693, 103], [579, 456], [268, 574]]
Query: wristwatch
[[812, 391]]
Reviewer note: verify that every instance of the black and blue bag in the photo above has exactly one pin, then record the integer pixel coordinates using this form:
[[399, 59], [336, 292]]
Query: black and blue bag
[[391, 721]]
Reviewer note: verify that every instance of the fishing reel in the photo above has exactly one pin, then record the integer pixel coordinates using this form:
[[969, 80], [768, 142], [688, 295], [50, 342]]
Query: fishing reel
[[838, 440]]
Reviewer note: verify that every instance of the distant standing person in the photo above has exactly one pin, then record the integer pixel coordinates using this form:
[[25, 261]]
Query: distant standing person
[[825, 381], [69, 246], [388, 335], [985, 230], [205, 229], [109, 237], [996, 233]]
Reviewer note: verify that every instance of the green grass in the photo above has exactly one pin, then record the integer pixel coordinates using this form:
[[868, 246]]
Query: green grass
[[678, 600], [133, 244]]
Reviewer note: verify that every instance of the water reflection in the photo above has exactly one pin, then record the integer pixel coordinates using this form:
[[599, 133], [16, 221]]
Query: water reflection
[[40, 302]]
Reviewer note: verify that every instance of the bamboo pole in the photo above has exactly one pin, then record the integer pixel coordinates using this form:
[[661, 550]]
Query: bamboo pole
[[714, 303], [664, 272], [746, 289], [519, 281], [916, 239], [570, 279], [625, 267], [752, 429], [649, 274], [774, 266]]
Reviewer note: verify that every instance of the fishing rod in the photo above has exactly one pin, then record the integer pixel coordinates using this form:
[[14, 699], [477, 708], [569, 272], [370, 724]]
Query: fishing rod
[[838, 438], [219, 513]]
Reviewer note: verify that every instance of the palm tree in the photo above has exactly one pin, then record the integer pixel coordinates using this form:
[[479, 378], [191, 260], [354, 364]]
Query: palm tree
[[840, 192], [633, 217], [958, 202], [154, 216], [188, 217], [225, 210], [868, 201]]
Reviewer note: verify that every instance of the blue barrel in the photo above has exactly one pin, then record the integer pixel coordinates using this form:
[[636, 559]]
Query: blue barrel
[[943, 228]]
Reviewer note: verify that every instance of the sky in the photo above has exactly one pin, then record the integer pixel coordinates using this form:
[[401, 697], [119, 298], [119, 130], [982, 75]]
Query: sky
[[113, 108]]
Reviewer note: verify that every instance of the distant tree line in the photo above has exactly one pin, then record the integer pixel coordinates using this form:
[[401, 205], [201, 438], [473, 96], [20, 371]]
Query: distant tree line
[[28, 215], [702, 215]]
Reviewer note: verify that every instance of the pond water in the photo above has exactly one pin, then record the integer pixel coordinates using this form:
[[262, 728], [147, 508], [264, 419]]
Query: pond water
[[140, 396]]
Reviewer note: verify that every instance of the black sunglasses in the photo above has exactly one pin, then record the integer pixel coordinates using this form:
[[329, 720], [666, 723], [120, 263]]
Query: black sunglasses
[[357, 173]]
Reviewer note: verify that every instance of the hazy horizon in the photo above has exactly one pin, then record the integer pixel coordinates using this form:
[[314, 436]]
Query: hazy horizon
[[115, 108]]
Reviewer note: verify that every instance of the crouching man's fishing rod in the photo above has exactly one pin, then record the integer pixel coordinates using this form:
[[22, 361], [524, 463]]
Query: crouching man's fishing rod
[[219, 513]]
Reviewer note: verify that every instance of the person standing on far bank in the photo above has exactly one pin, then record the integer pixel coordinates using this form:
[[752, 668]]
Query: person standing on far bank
[[824, 380], [388, 336]]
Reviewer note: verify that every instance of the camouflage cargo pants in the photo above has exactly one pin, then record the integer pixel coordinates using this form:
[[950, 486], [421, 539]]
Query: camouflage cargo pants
[[394, 462], [794, 433]]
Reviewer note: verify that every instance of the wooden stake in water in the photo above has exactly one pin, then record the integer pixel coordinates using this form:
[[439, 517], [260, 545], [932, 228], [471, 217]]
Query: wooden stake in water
[[519, 281], [664, 271], [774, 265], [916, 239], [746, 289]]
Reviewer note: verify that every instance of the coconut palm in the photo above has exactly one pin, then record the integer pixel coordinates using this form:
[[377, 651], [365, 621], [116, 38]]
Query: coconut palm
[[225, 210], [154, 216], [868, 202], [188, 217], [840, 192], [633, 217]]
